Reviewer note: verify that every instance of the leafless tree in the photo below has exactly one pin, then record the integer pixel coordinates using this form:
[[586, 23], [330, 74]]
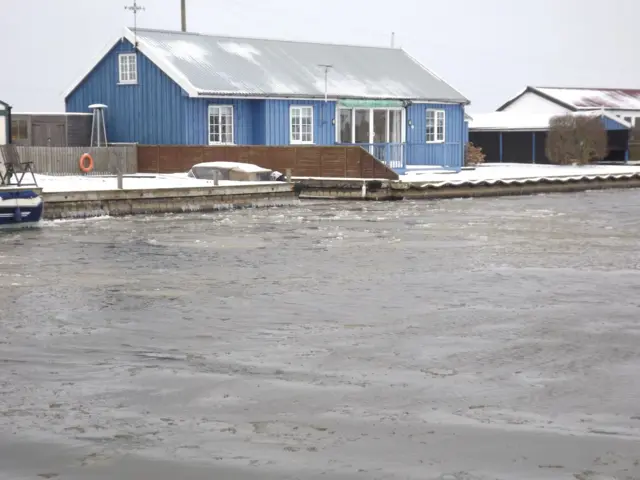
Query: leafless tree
[[473, 155], [576, 139], [634, 143]]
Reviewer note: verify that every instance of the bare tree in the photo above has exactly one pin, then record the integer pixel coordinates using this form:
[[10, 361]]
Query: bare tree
[[591, 139], [576, 139], [560, 139], [634, 143], [473, 155]]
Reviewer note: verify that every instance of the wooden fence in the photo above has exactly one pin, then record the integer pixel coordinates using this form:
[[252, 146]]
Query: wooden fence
[[306, 161], [65, 160]]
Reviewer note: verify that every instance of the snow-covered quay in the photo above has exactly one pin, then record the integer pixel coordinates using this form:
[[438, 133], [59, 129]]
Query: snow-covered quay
[[84, 196], [93, 196], [85, 183], [484, 180], [518, 173]]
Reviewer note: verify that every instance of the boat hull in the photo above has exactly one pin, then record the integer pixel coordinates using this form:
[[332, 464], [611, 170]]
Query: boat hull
[[20, 208]]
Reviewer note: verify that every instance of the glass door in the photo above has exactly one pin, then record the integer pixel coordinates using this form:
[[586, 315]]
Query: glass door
[[381, 128], [345, 132], [395, 138], [395, 126], [379, 133], [362, 126]]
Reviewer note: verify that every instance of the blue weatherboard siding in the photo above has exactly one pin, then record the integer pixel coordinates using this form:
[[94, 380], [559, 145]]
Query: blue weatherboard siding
[[197, 119], [611, 124], [419, 152], [149, 112], [258, 112], [157, 111], [259, 122], [277, 121]]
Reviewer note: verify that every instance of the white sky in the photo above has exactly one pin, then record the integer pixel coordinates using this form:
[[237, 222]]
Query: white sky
[[487, 49]]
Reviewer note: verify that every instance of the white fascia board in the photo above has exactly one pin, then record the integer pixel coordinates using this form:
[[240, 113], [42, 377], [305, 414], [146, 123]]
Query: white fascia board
[[415, 60], [162, 63], [619, 120], [434, 102], [235, 96], [148, 52], [103, 53]]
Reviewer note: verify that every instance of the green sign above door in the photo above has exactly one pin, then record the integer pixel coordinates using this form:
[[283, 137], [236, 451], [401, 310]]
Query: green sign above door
[[370, 103]]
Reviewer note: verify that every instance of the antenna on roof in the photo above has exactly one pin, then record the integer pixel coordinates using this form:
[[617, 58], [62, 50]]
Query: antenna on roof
[[183, 15], [393, 39], [326, 74], [135, 8]]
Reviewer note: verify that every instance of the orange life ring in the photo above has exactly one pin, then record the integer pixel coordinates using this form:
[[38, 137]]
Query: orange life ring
[[86, 168]]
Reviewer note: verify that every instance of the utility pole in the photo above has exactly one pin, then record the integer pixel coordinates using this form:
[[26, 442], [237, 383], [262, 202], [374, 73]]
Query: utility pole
[[183, 14], [326, 74], [135, 8]]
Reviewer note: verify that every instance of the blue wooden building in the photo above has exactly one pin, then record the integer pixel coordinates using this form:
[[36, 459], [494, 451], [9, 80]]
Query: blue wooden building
[[164, 87]]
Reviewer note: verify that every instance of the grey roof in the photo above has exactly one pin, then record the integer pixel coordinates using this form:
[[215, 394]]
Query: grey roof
[[214, 65]]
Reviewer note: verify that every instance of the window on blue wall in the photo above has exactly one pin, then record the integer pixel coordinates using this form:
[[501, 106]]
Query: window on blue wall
[[220, 124], [127, 68], [301, 119], [435, 126]]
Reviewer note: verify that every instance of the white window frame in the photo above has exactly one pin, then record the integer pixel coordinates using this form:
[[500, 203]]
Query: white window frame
[[437, 113], [211, 111], [300, 109], [127, 75]]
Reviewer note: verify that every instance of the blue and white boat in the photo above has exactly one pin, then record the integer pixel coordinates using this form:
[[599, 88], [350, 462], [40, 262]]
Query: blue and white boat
[[21, 203], [20, 206]]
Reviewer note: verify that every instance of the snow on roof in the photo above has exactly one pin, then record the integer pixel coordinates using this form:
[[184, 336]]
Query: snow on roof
[[590, 98], [207, 65], [587, 98], [527, 121]]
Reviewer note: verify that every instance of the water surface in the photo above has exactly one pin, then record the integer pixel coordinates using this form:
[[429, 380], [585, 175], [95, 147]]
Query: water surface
[[468, 339]]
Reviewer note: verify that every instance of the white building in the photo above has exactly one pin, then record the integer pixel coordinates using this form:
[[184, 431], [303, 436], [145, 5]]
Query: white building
[[618, 102]]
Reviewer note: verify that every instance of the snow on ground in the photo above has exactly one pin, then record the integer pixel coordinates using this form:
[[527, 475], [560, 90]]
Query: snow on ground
[[436, 175], [50, 183], [515, 171]]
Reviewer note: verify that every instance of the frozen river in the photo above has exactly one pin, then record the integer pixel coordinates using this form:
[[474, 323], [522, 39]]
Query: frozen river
[[464, 339]]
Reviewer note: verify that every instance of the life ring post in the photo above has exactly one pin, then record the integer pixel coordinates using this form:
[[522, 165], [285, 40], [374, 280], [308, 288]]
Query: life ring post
[[86, 163]]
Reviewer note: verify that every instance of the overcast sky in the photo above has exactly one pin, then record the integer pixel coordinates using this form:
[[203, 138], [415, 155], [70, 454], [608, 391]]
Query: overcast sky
[[487, 49]]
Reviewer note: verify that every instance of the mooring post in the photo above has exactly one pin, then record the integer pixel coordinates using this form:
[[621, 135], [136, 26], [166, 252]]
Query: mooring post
[[215, 178], [120, 187], [288, 174]]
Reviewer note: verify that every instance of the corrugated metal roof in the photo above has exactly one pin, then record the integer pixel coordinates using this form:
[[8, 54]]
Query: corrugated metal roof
[[213, 65], [575, 98], [589, 98]]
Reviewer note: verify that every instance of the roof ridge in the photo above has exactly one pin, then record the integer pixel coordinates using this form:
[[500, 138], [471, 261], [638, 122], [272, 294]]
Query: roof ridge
[[588, 88], [264, 39]]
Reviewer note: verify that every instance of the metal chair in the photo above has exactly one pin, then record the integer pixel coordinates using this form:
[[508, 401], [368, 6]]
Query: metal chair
[[14, 167]]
